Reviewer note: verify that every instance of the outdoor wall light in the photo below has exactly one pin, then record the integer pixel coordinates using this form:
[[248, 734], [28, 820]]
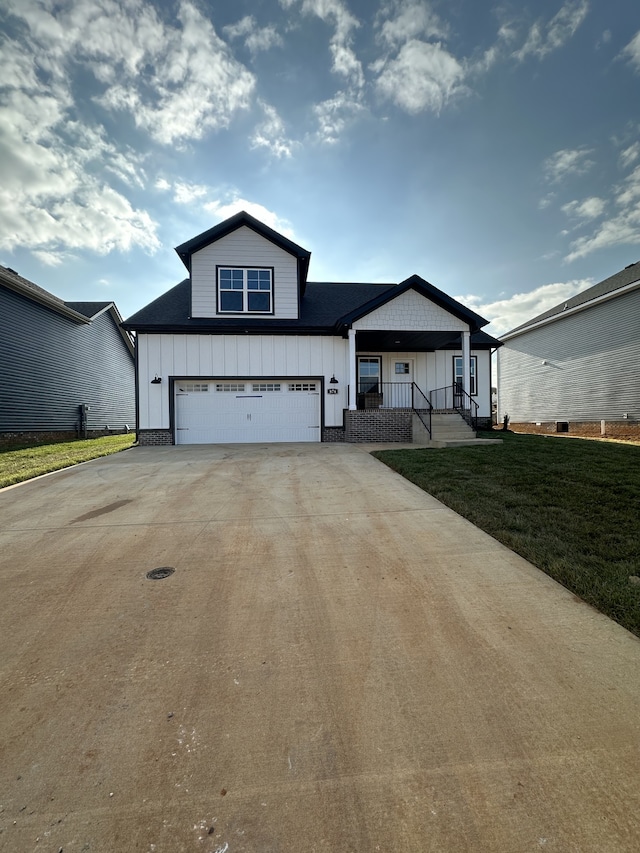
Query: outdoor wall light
[[157, 380], [333, 380]]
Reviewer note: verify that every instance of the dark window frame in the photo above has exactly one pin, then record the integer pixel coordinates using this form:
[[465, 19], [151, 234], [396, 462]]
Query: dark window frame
[[473, 373], [246, 291]]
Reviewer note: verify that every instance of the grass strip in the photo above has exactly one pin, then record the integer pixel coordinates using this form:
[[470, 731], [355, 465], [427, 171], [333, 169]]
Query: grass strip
[[17, 465], [569, 506]]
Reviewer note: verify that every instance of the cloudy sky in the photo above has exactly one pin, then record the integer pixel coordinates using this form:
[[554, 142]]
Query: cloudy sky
[[491, 147]]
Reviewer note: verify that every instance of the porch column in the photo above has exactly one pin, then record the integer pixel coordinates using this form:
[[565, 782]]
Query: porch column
[[466, 363], [352, 370]]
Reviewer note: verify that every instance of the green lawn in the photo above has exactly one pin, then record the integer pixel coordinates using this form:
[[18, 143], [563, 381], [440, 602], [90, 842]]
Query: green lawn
[[569, 506], [27, 462]]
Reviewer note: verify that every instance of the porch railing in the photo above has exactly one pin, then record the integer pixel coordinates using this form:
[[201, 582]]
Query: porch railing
[[422, 407], [395, 395], [385, 395], [452, 398]]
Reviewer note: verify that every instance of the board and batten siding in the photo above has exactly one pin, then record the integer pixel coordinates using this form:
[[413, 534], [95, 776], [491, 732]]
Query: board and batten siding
[[218, 356], [243, 248], [410, 312], [583, 367], [51, 365]]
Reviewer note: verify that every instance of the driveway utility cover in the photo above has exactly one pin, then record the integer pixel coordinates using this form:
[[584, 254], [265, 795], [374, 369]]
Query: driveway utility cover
[[159, 574], [345, 665]]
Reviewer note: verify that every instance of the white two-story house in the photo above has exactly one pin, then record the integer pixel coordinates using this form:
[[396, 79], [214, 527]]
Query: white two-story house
[[247, 350]]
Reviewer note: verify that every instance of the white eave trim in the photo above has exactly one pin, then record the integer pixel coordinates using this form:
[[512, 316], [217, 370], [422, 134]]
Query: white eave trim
[[571, 311]]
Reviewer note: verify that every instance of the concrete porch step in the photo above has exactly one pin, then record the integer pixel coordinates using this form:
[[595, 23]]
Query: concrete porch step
[[444, 428]]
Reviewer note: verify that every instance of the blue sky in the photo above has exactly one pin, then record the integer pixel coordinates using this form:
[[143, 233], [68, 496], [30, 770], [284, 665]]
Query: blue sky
[[492, 148]]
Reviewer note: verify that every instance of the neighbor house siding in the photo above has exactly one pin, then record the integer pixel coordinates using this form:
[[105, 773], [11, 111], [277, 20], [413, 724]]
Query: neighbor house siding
[[215, 356], [243, 248], [583, 367], [51, 365]]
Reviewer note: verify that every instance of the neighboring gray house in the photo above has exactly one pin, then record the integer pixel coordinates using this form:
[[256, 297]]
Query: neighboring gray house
[[246, 350], [58, 357], [576, 368]]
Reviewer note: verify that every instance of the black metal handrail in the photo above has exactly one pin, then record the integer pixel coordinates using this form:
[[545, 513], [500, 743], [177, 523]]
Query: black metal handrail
[[422, 407], [373, 394], [453, 398]]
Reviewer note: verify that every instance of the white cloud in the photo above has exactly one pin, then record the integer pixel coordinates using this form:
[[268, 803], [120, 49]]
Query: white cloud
[[543, 38], [629, 155], [223, 209], [184, 193], [63, 180], [51, 259], [546, 201], [590, 208], [620, 229], [507, 314], [270, 134], [196, 84], [567, 162], [53, 196], [175, 82], [255, 38], [632, 51], [334, 114], [345, 61], [424, 76], [400, 21]]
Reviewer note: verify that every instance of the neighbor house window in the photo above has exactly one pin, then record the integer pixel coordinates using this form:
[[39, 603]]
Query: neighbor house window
[[245, 291], [457, 373]]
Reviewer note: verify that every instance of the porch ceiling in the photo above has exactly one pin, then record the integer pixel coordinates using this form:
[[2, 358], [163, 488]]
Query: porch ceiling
[[386, 341]]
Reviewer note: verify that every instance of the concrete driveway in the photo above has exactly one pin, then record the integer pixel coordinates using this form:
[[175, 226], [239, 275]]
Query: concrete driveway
[[338, 663]]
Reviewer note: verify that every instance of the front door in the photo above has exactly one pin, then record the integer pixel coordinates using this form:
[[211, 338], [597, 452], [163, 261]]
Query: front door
[[402, 379]]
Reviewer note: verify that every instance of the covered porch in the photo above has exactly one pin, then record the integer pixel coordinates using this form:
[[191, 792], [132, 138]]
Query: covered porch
[[423, 373]]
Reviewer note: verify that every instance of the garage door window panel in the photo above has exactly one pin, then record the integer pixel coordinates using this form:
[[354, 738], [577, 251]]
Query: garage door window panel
[[245, 290]]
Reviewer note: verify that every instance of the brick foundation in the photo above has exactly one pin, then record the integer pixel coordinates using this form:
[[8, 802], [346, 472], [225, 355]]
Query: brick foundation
[[155, 437], [376, 425], [626, 429], [333, 434]]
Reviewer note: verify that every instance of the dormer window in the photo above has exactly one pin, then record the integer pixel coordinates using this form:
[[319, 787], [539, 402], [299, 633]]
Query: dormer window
[[245, 290]]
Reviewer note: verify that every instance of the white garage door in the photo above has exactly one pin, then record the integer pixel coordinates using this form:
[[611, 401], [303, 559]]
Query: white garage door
[[222, 412]]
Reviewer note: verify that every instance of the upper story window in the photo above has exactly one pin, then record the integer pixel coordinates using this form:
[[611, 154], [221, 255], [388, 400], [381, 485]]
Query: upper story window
[[245, 290]]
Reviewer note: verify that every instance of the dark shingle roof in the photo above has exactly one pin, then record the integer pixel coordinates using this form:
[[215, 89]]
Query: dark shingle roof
[[88, 309], [325, 307], [627, 276]]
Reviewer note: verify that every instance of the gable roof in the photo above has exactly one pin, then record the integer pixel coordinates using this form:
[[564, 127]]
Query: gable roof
[[427, 290], [606, 289], [186, 250], [89, 309]]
